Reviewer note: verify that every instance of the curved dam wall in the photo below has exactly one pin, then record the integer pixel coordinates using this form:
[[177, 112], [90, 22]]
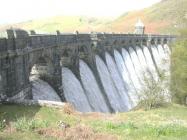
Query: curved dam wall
[[94, 72]]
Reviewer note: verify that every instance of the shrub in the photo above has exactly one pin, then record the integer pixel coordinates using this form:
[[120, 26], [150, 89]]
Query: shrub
[[179, 70], [154, 92]]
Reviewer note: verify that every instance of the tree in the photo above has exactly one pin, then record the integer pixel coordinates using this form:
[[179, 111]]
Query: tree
[[179, 69], [154, 92]]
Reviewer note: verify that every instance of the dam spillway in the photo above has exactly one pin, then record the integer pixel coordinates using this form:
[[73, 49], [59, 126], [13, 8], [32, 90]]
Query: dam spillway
[[120, 94], [93, 72]]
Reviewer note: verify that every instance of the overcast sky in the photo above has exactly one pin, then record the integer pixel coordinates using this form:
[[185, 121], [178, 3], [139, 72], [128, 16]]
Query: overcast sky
[[12, 11]]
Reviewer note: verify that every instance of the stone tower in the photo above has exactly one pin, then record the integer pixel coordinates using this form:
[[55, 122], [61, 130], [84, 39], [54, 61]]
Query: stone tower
[[139, 27]]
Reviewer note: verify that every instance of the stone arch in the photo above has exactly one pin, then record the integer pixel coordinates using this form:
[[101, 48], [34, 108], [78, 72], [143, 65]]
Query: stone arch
[[44, 65], [137, 42], [65, 59], [159, 41], [115, 42], [144, 42], [81, 48], [152, 41], [44, 61], [65, 53], [123, 42], [165, 41]]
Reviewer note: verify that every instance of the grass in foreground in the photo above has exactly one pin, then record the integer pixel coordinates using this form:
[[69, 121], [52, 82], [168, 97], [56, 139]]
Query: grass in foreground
[[43, 123]]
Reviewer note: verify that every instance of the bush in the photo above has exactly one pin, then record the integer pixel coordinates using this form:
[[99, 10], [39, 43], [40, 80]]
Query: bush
[[179, 70], [154, 92]]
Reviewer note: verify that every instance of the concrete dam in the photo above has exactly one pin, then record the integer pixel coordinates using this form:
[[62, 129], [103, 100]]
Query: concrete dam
[[96, 72]]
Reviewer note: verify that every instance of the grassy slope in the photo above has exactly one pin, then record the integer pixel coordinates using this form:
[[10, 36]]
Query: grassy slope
[[168, 123], [62, 23], [164, 17]]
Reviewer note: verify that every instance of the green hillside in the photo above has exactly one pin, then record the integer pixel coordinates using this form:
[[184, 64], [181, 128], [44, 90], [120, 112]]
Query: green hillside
[[168, 16], [62, 23]]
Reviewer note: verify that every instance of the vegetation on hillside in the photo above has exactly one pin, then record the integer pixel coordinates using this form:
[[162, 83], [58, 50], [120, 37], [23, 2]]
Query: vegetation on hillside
[[179, 69], [62, 23], [165, 17], [39, 123]]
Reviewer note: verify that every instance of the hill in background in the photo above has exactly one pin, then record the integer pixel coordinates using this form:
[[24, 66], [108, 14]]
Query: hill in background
[[62, 23], [167, 16]]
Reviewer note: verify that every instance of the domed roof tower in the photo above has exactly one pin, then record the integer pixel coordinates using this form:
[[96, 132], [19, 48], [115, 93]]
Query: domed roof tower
[[139, 27]]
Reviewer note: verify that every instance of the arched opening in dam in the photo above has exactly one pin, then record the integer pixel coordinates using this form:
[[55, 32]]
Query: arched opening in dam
[[41, 80]]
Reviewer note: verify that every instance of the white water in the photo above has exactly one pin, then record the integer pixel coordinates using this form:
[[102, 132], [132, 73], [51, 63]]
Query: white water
[[136, 63], [118, 82], [165, 62], [166, 56], [143, 64], [167, 50], [126, 77], [108, 84], [41, 90], [94, 94], [131, 69], [73, 91], [150, 64], [163, 58], [157, 57]]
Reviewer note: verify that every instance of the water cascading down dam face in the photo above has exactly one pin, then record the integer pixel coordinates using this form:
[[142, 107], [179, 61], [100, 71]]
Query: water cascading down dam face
[[74, 92], [121, 79], [126, 78], [131, 69], [108, 84], [93, 92], [150, 64], [41, 90], [118, 82]]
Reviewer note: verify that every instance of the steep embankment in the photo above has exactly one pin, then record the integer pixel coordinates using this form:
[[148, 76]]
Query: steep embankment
[[165, 17]]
